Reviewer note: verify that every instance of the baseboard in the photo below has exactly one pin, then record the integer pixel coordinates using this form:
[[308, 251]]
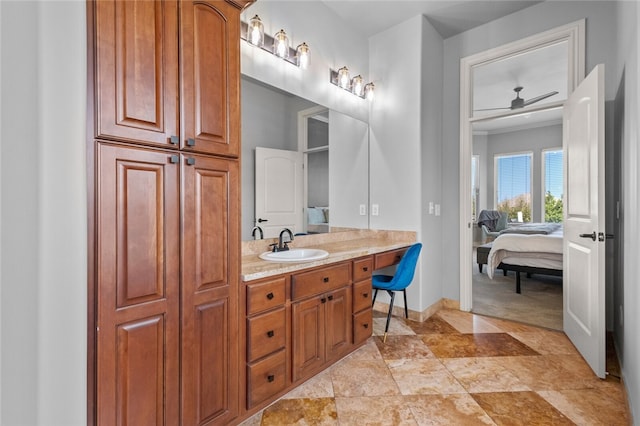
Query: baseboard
[[419, 316]]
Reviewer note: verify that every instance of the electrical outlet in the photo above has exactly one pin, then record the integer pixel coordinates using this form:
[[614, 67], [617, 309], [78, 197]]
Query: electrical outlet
[[430, 207], [363, 209], [374, 210], [437, 209]]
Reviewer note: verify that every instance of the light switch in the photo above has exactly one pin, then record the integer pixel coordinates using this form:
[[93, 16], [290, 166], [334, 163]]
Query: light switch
[[363, 209], [374, 210], [430, 207], [437, 209]]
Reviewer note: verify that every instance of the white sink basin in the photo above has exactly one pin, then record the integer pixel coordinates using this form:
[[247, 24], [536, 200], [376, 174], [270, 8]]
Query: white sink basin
[[295, 255]]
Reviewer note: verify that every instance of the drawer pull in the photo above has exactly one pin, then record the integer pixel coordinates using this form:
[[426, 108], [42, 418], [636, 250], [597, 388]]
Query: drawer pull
[[323, 300], [365, 269], [191, 142], [270, 333], [331, 297], [398, 257], [325, 279], [270, 296], [271, 378], [365, 325], [365, 295]]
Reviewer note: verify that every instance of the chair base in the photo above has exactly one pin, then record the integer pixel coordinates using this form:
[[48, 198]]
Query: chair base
[[392, 294]]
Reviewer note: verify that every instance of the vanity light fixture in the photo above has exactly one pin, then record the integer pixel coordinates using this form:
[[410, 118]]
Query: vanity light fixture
[[353, 85], [253, 33]]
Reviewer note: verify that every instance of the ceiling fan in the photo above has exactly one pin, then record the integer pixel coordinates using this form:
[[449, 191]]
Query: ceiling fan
[[519, 102]]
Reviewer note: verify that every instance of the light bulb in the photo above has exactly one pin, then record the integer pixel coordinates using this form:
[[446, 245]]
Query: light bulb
[[343, 77], [302, 53], [281, 44], [255, 31], [357, 85]]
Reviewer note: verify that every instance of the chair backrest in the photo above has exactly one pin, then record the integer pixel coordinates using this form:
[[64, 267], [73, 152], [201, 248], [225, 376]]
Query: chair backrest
[[406, 268]]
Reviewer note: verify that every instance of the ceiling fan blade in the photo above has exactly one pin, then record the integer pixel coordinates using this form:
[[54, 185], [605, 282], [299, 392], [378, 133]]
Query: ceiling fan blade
[[539, 98]]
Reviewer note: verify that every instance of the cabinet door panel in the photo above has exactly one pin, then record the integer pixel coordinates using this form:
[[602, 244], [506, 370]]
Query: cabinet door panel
[[137, 71], [338, 322], [308, 336], [211, 76], [137, 285], [210, 277]]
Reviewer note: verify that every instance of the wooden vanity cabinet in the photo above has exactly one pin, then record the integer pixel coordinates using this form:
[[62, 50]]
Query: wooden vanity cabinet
[[362, 311], [267, 336], [388, 258], [321, 317]]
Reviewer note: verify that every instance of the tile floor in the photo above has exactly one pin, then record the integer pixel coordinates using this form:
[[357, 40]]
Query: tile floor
[[456, 368]]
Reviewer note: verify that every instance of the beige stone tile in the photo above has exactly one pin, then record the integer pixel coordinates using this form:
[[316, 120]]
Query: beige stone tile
[[362, 378], [454, 409], [484, 375], [546, 342], [319, 386], [423, 376], [475, 345], [318, 411], [520, 408], [399, 347], [431, 325], [466, 322], [254, 420], [367, 351], [397, 326], [548, 372], [382, 410], [511, 326], [603, 405]]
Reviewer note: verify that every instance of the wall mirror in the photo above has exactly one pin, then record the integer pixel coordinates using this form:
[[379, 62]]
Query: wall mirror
[[334, 148]]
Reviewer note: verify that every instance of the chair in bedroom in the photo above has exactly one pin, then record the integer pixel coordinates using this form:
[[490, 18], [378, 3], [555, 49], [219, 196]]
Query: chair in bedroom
[[492, 222], [397, 282]]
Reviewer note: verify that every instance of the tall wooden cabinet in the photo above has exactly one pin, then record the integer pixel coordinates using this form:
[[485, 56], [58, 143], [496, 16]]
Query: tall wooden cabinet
[[164, 207]]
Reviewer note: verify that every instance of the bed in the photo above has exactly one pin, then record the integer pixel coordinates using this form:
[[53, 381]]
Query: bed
[[528, 250]]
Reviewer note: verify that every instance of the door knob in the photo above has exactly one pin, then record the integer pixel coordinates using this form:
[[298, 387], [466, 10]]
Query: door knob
[[592, 235], [260, 220]]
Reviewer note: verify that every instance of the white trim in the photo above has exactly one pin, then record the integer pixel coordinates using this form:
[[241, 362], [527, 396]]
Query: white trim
[[574, 33]]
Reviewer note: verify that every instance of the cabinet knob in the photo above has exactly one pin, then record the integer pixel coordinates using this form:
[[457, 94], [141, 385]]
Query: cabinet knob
[[270, 296], [191, 142], [271, 378], [191, 161], [325, 279], [174, 139], [331, 297], [270, 333], [365, 269], [174, 159], [323, 300], [365, 325], [365, 295]]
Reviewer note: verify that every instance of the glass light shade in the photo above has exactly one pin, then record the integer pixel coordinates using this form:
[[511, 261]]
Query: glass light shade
[[302, 54], [369, 89], [281, 44], [357, 85], [255, 32], [343, 77]]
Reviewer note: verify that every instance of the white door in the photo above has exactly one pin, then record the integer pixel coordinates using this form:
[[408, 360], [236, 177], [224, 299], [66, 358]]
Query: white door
[[584, 247], [279, 191]]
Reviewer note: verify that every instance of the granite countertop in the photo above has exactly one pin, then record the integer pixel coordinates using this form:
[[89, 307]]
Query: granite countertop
[[340, 245]]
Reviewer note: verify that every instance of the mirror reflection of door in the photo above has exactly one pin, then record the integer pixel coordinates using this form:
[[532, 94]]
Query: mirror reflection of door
[[315, 145], [279, 191]]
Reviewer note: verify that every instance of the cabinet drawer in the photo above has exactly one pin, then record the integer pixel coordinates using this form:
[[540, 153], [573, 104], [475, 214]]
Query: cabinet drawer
[[362, 269], [362, 326], [321, 280], [388, 258], [266, 333], [361, 295], [265, 295], [266, 378]]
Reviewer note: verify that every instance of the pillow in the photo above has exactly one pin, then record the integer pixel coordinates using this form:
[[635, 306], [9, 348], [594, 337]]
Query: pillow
[[315, 215]]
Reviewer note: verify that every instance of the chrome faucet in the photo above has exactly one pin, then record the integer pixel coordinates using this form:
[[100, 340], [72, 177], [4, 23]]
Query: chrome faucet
[[283, 246], [253, 233]]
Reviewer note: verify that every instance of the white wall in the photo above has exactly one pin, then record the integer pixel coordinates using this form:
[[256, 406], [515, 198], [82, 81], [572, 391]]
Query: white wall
[[627, 328], [43, 221]]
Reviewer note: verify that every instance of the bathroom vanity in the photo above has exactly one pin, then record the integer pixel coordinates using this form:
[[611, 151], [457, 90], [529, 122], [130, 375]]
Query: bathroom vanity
[[300, 318]]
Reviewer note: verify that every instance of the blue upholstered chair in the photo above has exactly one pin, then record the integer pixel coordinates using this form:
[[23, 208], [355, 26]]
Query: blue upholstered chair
[[397, 282]]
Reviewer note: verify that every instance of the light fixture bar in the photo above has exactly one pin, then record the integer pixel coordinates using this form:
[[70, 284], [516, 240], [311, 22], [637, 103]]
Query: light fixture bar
[[354, 86], [268, 44]]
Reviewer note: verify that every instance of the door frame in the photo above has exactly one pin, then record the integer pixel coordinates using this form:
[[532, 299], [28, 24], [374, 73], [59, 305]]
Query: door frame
[[574, 33]]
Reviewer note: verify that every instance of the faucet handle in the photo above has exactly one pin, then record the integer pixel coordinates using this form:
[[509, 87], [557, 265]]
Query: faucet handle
[[274, 247]]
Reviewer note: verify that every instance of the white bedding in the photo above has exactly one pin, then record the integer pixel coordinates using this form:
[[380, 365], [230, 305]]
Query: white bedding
[[535, 250]]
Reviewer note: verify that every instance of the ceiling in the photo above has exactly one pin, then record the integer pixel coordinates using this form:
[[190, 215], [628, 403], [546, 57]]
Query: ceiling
[[449, 17]]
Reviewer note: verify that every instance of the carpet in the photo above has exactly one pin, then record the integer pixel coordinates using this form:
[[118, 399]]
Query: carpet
[[540, 302]]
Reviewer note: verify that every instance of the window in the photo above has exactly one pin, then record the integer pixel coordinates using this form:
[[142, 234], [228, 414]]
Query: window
[[552, 185], [475, 185], [513, 185]]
